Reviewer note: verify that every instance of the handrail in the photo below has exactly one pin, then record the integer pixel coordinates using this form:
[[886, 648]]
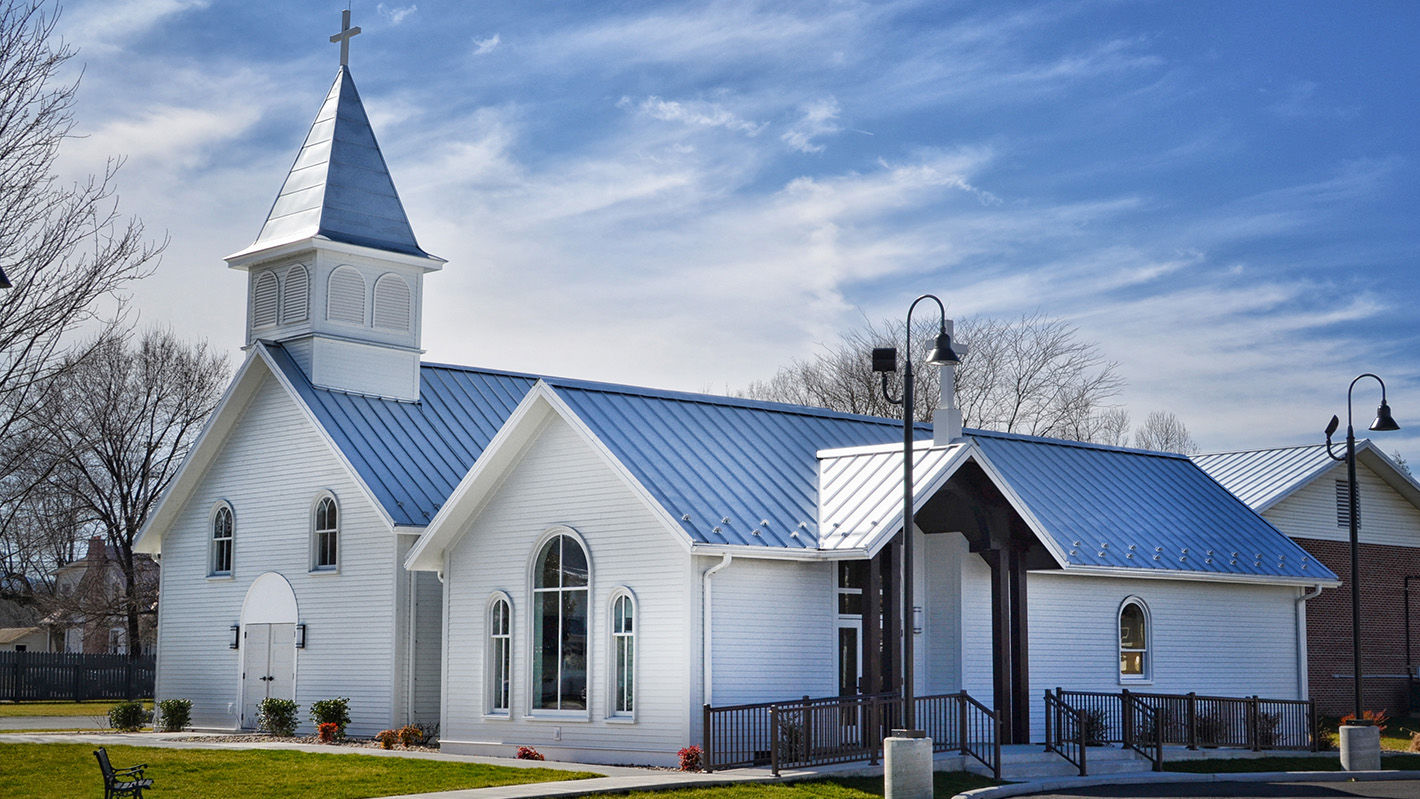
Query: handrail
[[1146, 738], [972, 715], [1065, 731], [1195, 720]]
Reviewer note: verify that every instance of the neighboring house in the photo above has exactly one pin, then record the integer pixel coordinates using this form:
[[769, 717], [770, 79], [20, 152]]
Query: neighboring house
[[1303, 492], [88, 615], [24, 639], [582, 566]]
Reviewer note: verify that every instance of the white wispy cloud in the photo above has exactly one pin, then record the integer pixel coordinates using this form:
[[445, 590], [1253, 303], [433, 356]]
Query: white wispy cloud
[[106, 25], [818, 118], [396, 14], [697, 113], [486, 45]]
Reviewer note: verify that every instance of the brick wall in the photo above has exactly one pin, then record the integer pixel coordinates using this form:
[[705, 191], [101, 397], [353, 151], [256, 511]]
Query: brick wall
[[1383, 634]]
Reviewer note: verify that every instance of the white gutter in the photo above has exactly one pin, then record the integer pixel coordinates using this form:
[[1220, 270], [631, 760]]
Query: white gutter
[[1301, 611], [705, 631]]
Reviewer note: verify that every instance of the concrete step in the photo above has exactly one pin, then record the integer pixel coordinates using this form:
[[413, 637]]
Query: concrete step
[[1033, 763]]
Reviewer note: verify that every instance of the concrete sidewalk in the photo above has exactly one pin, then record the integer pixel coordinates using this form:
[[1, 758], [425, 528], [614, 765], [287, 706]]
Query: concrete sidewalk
[[98, 721]]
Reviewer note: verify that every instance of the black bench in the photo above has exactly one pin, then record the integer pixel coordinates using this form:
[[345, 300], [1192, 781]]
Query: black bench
[[121, 781]]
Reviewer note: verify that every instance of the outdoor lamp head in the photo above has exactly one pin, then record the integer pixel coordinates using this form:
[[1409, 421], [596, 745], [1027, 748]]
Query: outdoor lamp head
[[884, 359], [1331, 427], [943, 354], [1384, 422]]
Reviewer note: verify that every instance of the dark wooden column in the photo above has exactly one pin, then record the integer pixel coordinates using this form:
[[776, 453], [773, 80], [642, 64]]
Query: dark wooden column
[[872, 628], [1020, 648], [1002, 691], [892, 625]]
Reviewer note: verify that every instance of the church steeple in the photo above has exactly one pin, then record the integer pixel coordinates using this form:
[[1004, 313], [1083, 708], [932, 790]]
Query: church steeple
[[335, 274]]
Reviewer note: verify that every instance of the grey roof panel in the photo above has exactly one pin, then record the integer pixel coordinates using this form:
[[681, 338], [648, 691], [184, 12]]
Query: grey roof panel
[[1263, 477], [339, 186]]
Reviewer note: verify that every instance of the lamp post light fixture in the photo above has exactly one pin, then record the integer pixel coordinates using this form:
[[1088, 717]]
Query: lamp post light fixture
[[1383, 423], [885, 361]]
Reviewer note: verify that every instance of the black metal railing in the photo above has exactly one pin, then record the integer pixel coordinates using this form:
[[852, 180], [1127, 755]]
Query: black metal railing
[[841, 729], [1143, 731], [58, 676], [1191, 720], [1065, 731]]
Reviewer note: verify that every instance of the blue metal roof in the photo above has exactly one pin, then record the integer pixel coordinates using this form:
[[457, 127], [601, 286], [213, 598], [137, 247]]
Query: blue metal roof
[[413, 454], [1109, 506], [339, 186]]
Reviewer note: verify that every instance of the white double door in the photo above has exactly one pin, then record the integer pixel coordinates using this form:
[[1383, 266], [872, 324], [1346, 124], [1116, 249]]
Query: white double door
[[268, 666]]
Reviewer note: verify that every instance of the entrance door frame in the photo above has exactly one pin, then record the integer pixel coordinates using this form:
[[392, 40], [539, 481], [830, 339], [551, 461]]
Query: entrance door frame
[[269, 600]]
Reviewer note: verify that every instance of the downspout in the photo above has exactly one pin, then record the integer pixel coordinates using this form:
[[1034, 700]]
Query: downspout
[[1301, 610], [705, 646]]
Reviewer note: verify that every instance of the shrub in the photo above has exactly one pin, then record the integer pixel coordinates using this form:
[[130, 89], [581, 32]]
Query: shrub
[[328, 732], [1267, 728], [127, 716], [689, 758], [1210, 729], [429, 730], [1369, 718], [410, 735], [175, 713], [331, 711], [1095, 725], [387, 738], [529, 753], [1415, 741], [277, 716]]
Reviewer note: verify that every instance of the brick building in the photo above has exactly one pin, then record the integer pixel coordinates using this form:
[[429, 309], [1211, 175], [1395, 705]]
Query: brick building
[[1303, 493]]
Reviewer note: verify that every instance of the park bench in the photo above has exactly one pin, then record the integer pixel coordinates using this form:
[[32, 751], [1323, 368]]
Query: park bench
[[121, 781]]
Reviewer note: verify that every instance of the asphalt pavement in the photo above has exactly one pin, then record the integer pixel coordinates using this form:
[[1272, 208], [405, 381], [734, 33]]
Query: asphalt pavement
[[1370, 789]]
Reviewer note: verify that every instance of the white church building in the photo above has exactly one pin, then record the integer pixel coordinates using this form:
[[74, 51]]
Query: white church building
[[582, 567]]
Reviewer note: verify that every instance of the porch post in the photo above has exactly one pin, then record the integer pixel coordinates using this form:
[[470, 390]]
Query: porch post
[[892, 623], [1001, 688], [872, 628], [1020, 648]]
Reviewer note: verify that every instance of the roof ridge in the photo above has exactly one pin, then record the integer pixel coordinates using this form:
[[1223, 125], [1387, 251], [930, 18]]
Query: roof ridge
[[1065, 442], [1267, 449]]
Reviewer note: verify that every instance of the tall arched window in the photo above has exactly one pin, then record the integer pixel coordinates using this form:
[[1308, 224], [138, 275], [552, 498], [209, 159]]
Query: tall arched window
[[559, 657], [500, 655], [263, 300], [295, 300], [222, 530], [623, 646], [325, 552], [1133, 640]]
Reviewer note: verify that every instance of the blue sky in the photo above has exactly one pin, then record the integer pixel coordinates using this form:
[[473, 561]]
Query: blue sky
[[687, 195]]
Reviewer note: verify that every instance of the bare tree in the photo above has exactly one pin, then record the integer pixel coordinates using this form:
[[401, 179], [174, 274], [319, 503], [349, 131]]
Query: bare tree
[[118, 423], [1162, 431], [1030, 375], [63, 246]]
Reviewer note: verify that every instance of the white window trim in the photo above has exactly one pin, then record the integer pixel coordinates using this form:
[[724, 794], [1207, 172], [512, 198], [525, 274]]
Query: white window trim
[[1147, 677], [314, 538], [489, 690], [535, 713], [614, 654], [212, 572]]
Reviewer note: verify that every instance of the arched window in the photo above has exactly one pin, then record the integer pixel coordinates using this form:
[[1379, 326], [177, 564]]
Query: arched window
[[295, 300], [559, 656], [500, 655], [222, 529], [345, 296], [623, 646], [392, 311], [325, 552], [263, 300], [1133, 640]]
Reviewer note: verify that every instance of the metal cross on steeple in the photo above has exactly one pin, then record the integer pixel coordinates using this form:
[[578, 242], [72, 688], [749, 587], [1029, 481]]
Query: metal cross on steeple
[[344, 37]]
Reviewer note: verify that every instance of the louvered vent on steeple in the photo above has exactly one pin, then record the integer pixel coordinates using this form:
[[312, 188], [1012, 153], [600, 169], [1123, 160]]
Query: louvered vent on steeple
[[263, 300], [296, 300], [346, 296], [392, 311]]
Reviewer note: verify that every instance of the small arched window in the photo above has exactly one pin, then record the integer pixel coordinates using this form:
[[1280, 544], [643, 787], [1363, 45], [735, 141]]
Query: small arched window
[[500, 655], [220, 564], [345, 297], [623, 645], [392, 311], [559, 661], [263, 300], [1133, 640], [325, 536], [295, 300]]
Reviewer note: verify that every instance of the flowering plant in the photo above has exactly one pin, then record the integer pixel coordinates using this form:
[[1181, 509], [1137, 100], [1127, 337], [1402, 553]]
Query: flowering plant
[[529, 753], [387, 738], [690, 758], [1369, 718], [328, 732]]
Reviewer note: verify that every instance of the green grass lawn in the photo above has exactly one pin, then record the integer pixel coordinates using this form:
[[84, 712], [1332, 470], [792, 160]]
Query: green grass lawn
[[99, 709], [41, 771], [1320, 762], [945, 785]]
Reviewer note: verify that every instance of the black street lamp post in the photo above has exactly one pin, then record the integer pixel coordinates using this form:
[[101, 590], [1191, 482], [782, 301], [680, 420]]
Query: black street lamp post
[[885, 361], [1383, 422]]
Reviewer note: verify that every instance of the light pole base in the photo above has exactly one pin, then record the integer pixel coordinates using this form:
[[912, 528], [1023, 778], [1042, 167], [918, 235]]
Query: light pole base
[[1360, 748], [907, 765]]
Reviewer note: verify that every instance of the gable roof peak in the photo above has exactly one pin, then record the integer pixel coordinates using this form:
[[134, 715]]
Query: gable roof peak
[[339, 187]]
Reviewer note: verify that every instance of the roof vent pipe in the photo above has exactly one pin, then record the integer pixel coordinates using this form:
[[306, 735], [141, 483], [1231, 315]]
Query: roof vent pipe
[[946, 419]]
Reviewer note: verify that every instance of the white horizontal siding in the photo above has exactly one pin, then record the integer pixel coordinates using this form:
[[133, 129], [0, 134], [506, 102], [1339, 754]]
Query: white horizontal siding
[[976, 646], [428, 645], [940, 593], [560, 480], [1386, 516], [1211, 638], [365, 368], [270, 470]]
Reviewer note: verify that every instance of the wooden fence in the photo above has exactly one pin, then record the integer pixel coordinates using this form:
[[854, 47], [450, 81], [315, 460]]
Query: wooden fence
[[53, 676]]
